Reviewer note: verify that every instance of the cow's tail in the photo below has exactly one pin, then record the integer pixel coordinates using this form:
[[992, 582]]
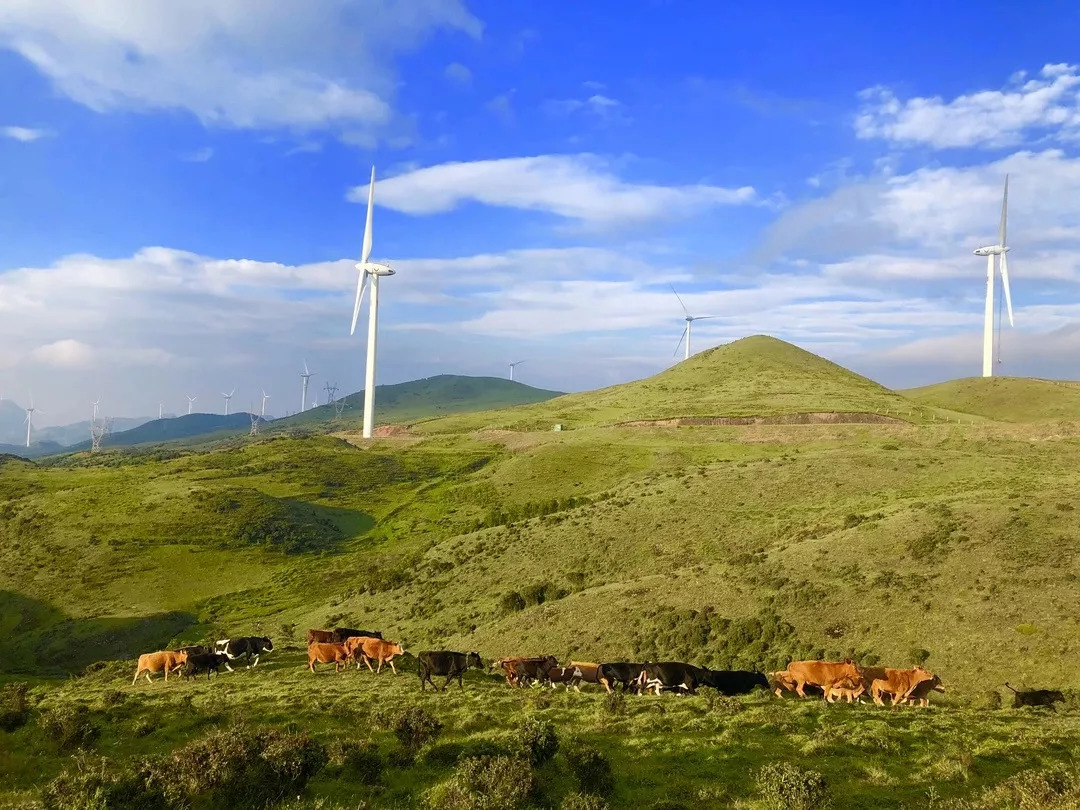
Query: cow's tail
[[1011, 689]]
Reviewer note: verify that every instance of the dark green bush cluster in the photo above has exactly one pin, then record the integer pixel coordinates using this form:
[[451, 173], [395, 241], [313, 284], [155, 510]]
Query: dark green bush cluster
[[247, 517], [360, 761], [69, 726], [485, 783], [511, 602], [536, 741], [1055, 788], [414, 727], [784, 786], [497, 515], [591, 770], [535, 594], [97, 784], [14, 706], [765, 642], [718, 703]]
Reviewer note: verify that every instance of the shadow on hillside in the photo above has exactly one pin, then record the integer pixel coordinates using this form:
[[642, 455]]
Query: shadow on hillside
[[40, 639]]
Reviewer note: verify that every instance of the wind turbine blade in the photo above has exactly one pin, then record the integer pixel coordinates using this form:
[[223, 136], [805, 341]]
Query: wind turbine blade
[[1004, 213], [367, 227], [361, 288], [1005, 284], [704, 317], [680, 299], [681, 337]]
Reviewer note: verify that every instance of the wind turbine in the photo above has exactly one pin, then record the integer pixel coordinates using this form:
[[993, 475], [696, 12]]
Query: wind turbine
[[518, 363], [262, 410], [95, 403], [30, 419], [686, 331], [369, 271], [990, 251], [306, 376], [228, 399], [190, 402]]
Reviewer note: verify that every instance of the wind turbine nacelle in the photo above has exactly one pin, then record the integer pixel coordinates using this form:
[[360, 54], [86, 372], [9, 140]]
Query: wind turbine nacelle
[[375, 268], [990, 250]]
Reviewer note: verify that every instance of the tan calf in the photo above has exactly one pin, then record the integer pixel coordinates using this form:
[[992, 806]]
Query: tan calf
[[167, 660], [335, 654]]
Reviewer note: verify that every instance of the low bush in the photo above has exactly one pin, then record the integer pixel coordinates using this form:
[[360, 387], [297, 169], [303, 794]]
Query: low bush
[[14, 706], [99, 784], [69, 727], [784, 786], [536, 741], [359, 761], [591, 770], [485, 783], [511, 603], [615, 703], [414, 728]]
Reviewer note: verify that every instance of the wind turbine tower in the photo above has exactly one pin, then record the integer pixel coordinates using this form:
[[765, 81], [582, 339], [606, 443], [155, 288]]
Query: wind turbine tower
[[30, 419], [262, 409], [190, 402], [160, 409], [990, 251], [518, 363], [370, 272], [95, 403], [228, 399], [306, 376], [689, 323]]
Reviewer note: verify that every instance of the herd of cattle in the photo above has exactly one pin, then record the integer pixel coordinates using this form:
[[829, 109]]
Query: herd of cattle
[[831, 680]]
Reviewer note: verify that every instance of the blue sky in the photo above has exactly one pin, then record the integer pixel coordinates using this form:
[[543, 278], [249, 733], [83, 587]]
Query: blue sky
[[178, 189]]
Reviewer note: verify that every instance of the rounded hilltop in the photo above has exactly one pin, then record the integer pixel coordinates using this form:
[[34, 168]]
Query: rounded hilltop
[[754, 376], [1003, 399]]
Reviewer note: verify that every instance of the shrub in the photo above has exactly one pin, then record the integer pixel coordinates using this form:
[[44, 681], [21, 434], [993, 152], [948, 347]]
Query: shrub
[[414, 728], [238, 768], [615, 703], [919, 656], [583, 801], [785, 786], [537, 593], [69, 727], [536, 741], [511, 603], [591, 769], [288, 632], [360, 761], [485, 783], [112, 698], [14, 706], [96, 785], [720, 703]]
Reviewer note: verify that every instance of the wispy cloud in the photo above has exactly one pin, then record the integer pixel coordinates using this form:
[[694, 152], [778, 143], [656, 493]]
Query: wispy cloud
[[24, 134], [1045, 106], [199, 155], [578, 187], [458, 74], [598, 106]]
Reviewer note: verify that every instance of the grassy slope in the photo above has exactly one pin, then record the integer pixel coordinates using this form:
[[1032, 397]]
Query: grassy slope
[[1005, 399], [755, 376]]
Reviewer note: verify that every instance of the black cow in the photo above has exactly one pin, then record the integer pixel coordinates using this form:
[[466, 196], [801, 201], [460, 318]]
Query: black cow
[[196, 649], [620, 673], [1036, 697], [671, 675], [342, 633], [233, 648], [203, 662], [734, 681], [444, 662]]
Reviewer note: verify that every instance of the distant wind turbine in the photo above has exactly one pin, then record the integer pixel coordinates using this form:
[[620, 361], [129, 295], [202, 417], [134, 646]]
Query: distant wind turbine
[[518, 363], [95, 403], [990, 251], [30, 419], [689, 323], [262, 410], [369, 272], [306, 376], [228, 399], [160, 409], [190, 402]]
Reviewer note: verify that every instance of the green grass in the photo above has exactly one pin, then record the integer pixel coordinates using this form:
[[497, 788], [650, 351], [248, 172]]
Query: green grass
[[1004, 399]]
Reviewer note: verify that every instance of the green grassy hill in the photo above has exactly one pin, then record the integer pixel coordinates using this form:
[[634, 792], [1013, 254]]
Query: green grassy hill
[[1004, 399], [755, 376], [422, 399], [187, 427], [727, 546]]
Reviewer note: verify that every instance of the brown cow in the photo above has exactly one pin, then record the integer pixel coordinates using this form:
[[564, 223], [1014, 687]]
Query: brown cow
[[899, 684], [920, 694], [823, 674], [320, 637], [168, 660], [586, 672], [845, 691], [335, 654], [366, 649]]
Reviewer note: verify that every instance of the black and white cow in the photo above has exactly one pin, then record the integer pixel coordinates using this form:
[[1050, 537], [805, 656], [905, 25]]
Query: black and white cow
[[233, 648], [620, 672], [671, 675]]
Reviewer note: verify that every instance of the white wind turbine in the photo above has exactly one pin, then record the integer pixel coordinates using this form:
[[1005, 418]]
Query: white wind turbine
[[190, 402], [518, 363], [686, 331], [990, 251], [160, 409], [369, 271], [95, 403], [30, 419], [262, 410], [228, 399], [306, 376]]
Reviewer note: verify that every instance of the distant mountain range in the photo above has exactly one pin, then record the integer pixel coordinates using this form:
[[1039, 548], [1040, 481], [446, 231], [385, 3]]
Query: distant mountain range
[[13, 427]]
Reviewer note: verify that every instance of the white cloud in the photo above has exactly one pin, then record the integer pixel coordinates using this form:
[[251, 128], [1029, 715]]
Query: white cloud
[[601, 107], [579, 187], [1048, 105], [299, 64], [65, 353], [502, 106], [24, 134], [458, 73], [199, 155]]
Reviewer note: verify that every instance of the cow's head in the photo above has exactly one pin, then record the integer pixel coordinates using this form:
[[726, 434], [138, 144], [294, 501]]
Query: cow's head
[[396, 649], [474, 661], [181, 657], [852, 672], [267, 644]]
